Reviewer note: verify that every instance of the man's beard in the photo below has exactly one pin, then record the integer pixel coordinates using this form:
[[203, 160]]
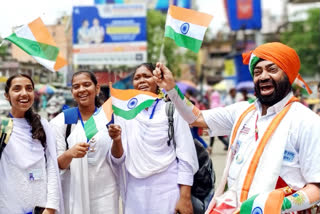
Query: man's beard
[[281, 89]]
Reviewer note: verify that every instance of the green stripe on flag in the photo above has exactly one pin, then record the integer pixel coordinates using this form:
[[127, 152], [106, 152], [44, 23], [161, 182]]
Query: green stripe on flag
[[183, 40], [34, 48], [128, 115], [179, 92], [246, 206], [253, 64], [90, 128]]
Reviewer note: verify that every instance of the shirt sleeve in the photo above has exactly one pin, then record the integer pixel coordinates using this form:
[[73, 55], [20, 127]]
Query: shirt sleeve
[[220, 120], [185, 148], [52, 187], [117, 161], [59, 129], [185, 173]]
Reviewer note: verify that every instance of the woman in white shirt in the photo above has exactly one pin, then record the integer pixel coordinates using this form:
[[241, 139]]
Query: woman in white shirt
[[158, 176], [88, 181], [28, 167]]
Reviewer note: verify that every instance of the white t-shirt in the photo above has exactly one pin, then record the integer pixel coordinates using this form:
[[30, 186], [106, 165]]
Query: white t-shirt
[[299, 129]]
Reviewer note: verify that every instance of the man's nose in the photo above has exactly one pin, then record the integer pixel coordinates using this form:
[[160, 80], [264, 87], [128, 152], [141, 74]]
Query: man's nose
[[264, 75]]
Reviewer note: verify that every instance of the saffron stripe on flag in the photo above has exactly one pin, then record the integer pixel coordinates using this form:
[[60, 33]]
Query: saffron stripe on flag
[[194, 31], [182, 40], [129, 93], [107, 109], [35, 48], [60, 62], [128, 115], [40, 32], [190, 16], [131, 103]]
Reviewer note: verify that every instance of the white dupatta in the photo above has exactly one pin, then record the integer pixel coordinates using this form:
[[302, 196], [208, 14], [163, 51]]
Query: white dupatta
[[79, 184]]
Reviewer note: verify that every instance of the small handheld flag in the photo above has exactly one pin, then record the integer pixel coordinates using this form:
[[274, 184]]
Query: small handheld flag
[[35, 39], [264, 203], [186, 27], [101, 118], [129, 103]]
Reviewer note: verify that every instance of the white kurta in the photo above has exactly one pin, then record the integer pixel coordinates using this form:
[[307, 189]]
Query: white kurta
[[89, 186], [298, 131], [151, 171], [28, 179]]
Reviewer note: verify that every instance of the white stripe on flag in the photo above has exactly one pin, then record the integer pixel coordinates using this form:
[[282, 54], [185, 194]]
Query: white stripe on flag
[[25, 32], [123, 104], [195, 31], [46, 63], [259, 202], [100, 119]]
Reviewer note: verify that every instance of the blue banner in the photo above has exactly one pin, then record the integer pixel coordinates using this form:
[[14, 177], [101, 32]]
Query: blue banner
[[90, 26], [244, 14], [113, 34], [243, 73]]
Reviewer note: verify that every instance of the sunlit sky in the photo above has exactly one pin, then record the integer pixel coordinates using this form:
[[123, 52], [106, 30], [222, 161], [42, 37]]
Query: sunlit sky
[[19, 12]]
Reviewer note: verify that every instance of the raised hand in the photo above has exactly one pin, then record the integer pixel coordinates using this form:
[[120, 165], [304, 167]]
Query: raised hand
[[115, 132], [163, 77]]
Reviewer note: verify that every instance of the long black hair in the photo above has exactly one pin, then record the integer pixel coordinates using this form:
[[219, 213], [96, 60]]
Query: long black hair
[[93, 78], [32, 118]]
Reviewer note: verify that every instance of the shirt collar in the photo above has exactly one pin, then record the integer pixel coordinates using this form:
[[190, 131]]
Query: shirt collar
[[276, 108]]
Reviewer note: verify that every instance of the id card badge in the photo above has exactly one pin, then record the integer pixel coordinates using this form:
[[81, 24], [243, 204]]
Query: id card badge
[[35, 174]]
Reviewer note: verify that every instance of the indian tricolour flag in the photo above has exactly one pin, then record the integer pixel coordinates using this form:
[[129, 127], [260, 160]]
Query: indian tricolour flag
[[102, 117], [35, 39], [305, 89], [264, 203], [186, 27], [129, 103]]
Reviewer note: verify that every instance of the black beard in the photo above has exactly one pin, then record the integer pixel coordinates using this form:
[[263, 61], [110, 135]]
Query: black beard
[[281, 89]]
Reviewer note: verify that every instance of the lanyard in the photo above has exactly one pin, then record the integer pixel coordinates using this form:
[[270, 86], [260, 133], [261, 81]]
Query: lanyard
[[10, 115], [154, 108]]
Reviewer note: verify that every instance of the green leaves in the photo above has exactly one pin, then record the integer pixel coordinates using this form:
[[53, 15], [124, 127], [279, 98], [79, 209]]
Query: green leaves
[[304, 37]]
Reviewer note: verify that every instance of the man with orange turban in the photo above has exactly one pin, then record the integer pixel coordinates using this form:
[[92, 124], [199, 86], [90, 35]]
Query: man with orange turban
[[272, 161]]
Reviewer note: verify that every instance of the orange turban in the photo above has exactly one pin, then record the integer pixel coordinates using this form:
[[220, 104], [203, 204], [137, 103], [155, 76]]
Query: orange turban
[[282, 55]]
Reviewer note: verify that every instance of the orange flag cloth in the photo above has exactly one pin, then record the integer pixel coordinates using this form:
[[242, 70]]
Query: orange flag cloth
[[282, 55]]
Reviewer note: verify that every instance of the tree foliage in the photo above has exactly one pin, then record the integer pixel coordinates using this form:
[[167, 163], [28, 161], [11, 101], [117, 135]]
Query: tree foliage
[[173, 54], [304, 37], [3, 50]]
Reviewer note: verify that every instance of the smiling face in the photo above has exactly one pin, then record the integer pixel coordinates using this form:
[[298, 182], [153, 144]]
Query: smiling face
[[84, 90], [20, 95], [271, 83], [142, 80]]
